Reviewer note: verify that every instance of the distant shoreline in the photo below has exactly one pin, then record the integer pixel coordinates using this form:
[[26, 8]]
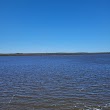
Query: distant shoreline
[[47, 54]]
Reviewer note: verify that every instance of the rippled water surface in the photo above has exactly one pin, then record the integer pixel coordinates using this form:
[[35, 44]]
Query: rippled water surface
[[55, 82]]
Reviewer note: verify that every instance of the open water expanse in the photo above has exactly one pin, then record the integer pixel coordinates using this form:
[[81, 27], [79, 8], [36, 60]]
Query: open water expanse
[[80, 82]]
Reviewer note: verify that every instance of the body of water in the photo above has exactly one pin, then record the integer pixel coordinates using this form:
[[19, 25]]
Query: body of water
[[80, 82]]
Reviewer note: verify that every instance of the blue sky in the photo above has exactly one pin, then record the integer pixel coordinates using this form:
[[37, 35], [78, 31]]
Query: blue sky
[[54, 26]]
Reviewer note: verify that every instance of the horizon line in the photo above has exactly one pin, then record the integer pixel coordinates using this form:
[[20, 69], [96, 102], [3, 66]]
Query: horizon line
[[55, 53]]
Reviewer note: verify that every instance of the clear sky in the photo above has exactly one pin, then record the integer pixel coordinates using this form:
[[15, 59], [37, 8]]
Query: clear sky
[[54, 26]]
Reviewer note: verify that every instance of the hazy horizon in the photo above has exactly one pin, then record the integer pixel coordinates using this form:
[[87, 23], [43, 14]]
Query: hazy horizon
[[57, 53]]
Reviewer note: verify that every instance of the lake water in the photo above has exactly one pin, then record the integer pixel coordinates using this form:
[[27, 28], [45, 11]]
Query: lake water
[[79, 82]]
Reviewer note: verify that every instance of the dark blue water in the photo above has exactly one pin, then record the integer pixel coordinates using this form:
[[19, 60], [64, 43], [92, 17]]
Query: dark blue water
[[79, 82]]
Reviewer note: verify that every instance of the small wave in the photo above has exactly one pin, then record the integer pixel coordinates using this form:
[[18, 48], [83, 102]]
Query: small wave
[[92, 108], [107, 105]]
